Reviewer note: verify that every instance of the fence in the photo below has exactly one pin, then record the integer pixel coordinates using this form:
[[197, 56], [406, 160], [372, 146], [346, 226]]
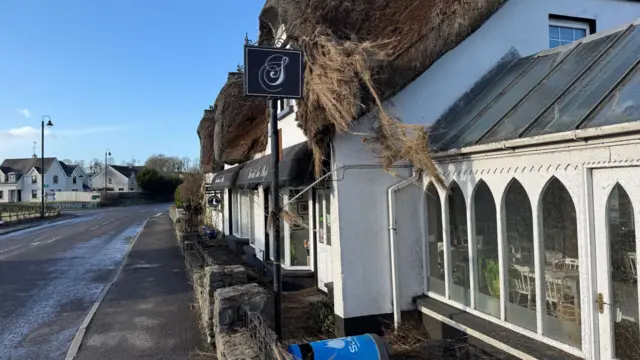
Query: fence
[[261, 336], [76, 196], [14, 213]]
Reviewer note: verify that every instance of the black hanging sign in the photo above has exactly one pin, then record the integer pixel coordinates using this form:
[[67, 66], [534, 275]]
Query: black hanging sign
[[273, 72], [214, 201]]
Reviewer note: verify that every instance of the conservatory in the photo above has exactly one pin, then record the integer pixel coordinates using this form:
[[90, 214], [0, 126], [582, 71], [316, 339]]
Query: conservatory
[[536, 229]]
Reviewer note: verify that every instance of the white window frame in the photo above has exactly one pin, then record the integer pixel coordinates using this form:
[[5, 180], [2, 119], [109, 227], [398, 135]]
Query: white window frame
[[285, 106], [34, 194], [471, 229], [573, 24], [286, 264], [239, 215], [12, 177]]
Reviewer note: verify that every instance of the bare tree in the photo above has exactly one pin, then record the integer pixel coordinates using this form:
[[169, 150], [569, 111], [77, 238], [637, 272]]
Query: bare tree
[[79, 163], [96, 165], [67, 161]]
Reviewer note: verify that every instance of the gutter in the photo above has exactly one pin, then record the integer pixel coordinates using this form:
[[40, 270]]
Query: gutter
[[582, 135], [395, 288]]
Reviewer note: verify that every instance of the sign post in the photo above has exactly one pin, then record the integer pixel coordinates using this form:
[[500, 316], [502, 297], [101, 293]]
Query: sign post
[[275, 74]]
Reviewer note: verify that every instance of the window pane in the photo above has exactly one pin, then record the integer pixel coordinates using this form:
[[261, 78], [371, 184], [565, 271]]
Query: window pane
[[450, 128], [588, 91], [621, 107], [624, 274], [505, 101], [566, 34], [459, 246], [562, 278], [546, 91], [554, 43], [488, 290], [435, 262], [579, 33], [554, 32], [519, 258]]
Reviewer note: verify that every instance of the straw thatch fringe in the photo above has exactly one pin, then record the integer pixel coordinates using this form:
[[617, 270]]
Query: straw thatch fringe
[[359, 52]]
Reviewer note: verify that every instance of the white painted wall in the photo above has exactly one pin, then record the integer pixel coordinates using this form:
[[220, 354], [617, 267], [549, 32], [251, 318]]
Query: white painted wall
[[54, 170], [360, 195], [226, 201], [291, 133], [119, 180], [259, 226]]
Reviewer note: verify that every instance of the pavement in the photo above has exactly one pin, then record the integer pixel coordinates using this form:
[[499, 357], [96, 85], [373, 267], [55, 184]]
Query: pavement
[[147, 313], [51, 275]]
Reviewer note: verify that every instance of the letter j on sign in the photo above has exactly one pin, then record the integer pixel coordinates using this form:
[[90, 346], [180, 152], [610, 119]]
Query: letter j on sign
[[273, 72]]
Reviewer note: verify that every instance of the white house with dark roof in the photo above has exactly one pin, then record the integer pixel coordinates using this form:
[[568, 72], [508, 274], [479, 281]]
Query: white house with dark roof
[[20, 179], [119, 179]]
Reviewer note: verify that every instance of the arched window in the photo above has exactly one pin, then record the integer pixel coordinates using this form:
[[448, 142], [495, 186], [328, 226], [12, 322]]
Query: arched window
[[519, 257], [559, 238], [435, 262], [624, 269], [459, 243], [55, 179], [488, 270]]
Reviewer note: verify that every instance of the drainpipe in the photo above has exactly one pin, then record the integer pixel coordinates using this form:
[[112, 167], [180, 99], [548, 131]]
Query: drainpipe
[[395, 288]]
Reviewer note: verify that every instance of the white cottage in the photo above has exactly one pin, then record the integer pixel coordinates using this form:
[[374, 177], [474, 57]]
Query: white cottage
[[530, 247], [534, 235]]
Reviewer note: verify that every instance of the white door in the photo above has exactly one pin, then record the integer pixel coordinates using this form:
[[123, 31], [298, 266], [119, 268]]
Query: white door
[[616, 210], [323, 226]]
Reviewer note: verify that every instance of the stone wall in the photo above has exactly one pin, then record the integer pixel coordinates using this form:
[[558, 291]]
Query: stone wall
[[223, 295]]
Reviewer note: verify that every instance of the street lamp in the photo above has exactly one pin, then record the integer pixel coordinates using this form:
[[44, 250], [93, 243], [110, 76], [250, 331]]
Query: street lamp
[[42, 171], [106, 153]]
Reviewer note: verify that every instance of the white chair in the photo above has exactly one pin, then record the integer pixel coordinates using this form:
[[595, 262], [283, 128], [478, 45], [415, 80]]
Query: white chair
[[555, 291], [630, 259], [524, 285], [571, 264]]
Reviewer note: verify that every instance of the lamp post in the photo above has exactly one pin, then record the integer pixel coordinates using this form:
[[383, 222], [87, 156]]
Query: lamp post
[[106, 153], [42, 171]]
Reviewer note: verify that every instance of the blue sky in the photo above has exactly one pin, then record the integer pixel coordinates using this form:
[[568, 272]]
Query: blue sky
[[133, 76]]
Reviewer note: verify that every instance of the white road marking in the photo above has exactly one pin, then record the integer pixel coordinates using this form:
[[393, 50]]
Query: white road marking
[[11, 248], [105, 223], [38, 239], [158, 214], [93, 228], [35, 243], [54, 239]]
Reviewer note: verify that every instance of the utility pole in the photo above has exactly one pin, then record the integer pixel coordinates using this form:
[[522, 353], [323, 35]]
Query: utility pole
[[42, 171]]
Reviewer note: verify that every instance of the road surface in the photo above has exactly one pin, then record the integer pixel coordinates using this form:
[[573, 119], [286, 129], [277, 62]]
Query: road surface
[[51, 275]]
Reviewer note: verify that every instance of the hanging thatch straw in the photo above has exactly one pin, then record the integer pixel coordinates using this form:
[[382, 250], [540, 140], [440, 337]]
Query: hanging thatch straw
[[235, 128], [360, 52]]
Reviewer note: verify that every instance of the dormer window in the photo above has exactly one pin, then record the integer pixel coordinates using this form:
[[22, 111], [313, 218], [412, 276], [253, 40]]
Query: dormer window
[[34, 179], [12, 177]]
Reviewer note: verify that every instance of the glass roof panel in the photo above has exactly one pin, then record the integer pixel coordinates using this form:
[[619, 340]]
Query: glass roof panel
[[587, 93], [548, 90], [622, 106], [451, 126], [502, 103]]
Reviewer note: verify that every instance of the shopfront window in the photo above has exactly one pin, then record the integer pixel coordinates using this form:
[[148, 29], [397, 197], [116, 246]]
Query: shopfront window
[[242, 214]]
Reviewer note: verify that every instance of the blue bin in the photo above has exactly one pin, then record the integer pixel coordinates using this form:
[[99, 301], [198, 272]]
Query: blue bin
[[369, 347]]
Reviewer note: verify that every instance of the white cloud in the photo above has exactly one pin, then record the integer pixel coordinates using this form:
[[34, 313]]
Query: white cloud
[[32, 133], [25, 112]]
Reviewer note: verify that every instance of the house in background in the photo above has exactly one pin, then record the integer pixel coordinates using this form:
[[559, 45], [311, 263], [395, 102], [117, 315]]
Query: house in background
[[20, 179], [119, 179]]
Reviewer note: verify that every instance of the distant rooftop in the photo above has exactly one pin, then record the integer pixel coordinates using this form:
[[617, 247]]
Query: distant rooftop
[[590, 83]]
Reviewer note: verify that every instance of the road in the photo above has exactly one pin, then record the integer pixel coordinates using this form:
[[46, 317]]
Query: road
[[51, 275]]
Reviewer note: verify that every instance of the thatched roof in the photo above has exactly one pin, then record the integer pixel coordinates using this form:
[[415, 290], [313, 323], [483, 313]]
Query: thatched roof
[[235, 128], [359, 52]]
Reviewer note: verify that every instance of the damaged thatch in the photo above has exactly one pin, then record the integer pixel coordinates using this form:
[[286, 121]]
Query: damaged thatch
[[359, 52], [235, 129]]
